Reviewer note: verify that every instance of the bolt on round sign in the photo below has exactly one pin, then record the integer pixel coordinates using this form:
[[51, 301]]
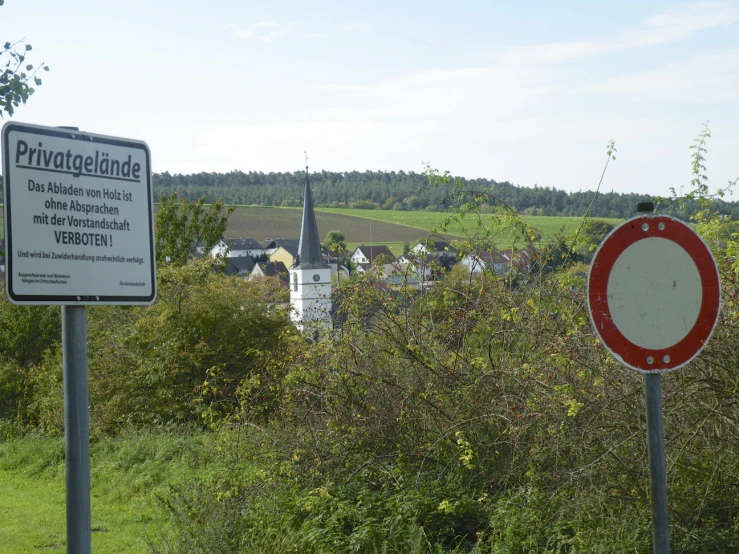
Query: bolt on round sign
[[78, 217], [654, 293]]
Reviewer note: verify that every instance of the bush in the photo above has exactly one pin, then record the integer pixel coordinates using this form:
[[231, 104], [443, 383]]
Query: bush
[[180, 360]]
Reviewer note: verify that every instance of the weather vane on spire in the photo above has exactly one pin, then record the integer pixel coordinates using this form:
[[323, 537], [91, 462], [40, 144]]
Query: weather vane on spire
[[306, 160]]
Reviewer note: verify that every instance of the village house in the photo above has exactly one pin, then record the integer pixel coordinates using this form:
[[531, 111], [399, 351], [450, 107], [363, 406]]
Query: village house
[[282, 250], [277, 270], [239, 265], [478, 262], [522, 260], [429, 260], [237, 248], [365, 256], [437, 246], [395, 274]]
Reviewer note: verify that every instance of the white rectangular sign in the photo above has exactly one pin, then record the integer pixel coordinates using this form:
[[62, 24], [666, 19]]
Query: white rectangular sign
[[78, 217]]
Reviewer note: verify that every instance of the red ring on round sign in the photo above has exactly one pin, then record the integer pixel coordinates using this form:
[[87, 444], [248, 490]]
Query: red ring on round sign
[[631, 355]]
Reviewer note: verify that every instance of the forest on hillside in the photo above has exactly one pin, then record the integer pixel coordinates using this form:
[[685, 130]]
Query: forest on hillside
[[406, 191], [391, 190]]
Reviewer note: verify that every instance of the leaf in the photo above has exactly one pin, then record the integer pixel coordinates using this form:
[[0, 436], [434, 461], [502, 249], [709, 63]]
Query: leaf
[[28, 47]]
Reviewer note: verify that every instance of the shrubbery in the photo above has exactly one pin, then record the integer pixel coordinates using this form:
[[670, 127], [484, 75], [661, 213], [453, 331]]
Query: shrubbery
[[477, 417], [179, 360]]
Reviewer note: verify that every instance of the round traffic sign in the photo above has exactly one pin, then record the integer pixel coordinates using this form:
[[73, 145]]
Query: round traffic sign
[[654, 293]]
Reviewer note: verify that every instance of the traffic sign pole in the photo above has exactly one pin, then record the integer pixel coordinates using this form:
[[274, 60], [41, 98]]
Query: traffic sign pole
[[657, 468], [656, 449]]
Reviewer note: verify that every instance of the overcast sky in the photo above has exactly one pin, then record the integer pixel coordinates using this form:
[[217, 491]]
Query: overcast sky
[[528, 92]]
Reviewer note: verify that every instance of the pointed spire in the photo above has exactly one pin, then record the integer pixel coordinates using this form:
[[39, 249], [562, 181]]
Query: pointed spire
[[309, 249]]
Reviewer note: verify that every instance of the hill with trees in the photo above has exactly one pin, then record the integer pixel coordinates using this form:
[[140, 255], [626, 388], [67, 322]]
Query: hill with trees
[[400, 190]]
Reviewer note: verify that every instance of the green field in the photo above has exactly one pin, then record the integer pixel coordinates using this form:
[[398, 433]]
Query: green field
[[393, 228]]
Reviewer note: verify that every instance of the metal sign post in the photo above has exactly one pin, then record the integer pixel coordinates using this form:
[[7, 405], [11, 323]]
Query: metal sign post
[[654, 297], [79, 231], [76, 429], [657, 468]]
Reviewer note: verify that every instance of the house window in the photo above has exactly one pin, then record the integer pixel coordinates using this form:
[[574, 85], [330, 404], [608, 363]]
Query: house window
[[295, 282]]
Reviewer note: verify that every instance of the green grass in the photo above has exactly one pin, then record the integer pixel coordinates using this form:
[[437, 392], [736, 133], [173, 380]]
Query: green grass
[[31, 513], [33, 517], [128, 475], [547, 226], [393, 228]]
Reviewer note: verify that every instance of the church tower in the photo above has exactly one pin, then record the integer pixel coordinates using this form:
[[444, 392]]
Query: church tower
[[310, 277]]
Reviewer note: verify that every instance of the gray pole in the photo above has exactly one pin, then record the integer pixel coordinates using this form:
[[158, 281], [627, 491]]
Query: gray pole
[[657, 471], [656, 448], [76, 429]]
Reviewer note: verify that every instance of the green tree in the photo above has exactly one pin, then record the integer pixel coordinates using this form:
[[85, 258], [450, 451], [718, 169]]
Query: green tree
[[181, 226], [591, 235], [180, 360], [27, 331], [335, 241], [26, 334], [17, 75]]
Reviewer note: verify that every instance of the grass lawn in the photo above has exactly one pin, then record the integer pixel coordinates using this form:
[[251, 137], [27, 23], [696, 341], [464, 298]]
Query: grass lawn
[[33, 517], [31, 513], [128, 475]]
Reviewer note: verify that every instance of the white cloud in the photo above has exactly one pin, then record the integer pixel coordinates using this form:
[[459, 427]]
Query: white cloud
[[709, 77], [677, 24], [264, 31], [465, 94]]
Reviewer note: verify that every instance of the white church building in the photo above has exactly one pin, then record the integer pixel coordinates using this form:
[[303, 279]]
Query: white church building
[[310, 276]]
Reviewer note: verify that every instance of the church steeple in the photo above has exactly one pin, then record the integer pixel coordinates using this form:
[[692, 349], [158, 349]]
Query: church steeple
[[309, 249], [310, 277]]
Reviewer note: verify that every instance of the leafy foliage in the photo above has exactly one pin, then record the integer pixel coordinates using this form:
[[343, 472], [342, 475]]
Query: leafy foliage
[[335, 241], [182, 226], [482, 415], [591, 235], [17, 76], [185, 356], [179, 360]]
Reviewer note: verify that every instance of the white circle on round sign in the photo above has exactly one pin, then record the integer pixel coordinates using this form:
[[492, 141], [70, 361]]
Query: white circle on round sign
[[654, 293]]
